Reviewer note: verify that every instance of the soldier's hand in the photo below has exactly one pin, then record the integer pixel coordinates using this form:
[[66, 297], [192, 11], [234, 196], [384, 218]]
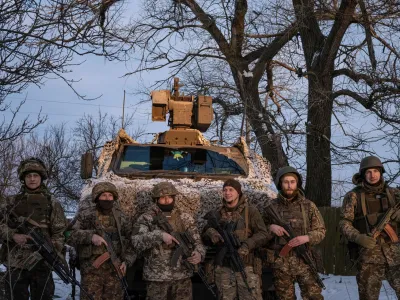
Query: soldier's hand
[[122, 267], [243, 250], [21, 239], [195, 258], [169, 239], [396, 216], [299, 240], [278, 230], [216, 238], [98, 240], [365, 241]]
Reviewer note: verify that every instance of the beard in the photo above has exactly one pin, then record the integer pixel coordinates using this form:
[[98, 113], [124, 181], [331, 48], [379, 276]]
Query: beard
[[289, 194]]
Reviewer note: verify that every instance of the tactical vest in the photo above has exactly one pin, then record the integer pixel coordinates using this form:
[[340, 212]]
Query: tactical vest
[[296, 214], [36, 207], [174, 219], [108, 224], [241, 217], [371, 208]]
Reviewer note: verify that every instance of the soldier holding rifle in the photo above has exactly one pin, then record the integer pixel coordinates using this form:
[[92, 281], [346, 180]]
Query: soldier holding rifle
[[297, 225], [237, 229], [101, 235], [153, 235], [28, 274], [370, 220]]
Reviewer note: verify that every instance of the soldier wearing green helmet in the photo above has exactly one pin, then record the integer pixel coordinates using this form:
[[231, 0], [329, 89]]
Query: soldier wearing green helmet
[[29, 275], [308, 227], [153, 237], [362, 208], [99, 278]]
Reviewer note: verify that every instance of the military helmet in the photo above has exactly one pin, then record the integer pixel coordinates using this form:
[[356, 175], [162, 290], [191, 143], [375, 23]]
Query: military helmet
[[103, 187], [286, 170], [370, 162], [32, 165], [163, 189]]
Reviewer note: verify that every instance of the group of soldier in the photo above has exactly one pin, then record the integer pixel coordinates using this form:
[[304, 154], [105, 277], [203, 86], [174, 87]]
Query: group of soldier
[[261, 240]]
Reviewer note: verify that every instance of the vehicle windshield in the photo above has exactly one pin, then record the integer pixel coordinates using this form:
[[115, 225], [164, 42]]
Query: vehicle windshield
[[152, 158]]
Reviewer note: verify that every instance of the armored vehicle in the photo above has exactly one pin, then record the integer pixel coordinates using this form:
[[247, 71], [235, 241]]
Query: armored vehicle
[[183, 156]]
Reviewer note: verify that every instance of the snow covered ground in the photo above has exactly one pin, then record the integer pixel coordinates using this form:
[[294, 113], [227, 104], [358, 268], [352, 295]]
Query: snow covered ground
[[345, 288], [337, 288]]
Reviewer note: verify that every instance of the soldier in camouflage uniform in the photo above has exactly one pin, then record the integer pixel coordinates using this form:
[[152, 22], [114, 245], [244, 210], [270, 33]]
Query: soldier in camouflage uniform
[[252, 233], [151, 237], [362, 209], [28, 274], [100, 279], [308, 226]]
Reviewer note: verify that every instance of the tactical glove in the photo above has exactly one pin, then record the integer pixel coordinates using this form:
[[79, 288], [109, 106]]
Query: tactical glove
[[215, 237], [243, 250], [365, 241], [396, 216]]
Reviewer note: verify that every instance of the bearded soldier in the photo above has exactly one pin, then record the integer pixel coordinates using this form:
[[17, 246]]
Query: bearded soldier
[[308, 226], [99, 277], [153, 236], [28, 274], [362, 209], [251, 232]]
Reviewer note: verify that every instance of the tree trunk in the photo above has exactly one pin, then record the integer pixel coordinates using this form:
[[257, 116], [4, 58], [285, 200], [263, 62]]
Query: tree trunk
[[270, 142], [319, 172]]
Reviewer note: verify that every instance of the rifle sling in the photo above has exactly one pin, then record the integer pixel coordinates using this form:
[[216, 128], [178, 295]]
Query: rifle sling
[[117, 221], [303, 212]]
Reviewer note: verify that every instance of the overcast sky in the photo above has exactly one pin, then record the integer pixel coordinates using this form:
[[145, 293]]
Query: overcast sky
[[100, 77]]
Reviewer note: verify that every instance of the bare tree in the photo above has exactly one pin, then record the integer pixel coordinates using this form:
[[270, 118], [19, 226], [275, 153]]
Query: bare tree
[[92, 132], [343, 53]]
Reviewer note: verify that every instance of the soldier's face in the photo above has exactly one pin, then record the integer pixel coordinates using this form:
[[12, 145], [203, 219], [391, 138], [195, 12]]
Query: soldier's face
[[231, 196], [165, 200], [289, 185], [107, 196], [372, 176], [32, 180]]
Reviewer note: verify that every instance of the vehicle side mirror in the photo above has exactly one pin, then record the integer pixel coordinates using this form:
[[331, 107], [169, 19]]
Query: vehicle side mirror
[[87, 165]]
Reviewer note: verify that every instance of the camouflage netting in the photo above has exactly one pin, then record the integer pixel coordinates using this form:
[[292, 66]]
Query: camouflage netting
[[196, 197]]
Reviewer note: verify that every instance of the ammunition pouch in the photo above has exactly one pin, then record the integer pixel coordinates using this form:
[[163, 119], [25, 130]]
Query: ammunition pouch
[[31, 261]]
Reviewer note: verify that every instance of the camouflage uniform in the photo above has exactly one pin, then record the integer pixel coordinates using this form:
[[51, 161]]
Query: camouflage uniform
[[305, 219], [29, 274], [165, 281], [383, 260], [230, 284], [102, 282], [290, 269]]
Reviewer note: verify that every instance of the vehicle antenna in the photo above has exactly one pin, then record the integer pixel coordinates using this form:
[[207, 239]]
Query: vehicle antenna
[[123, 111]]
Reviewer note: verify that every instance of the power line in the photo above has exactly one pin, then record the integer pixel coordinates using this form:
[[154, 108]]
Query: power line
[[66, 115], [67, 102]]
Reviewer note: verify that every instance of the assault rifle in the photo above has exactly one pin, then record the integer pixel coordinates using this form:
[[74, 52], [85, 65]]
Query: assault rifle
[[48, 253], [231, 244], [115, 261], [383, 226], [300, 250], [184, 250]]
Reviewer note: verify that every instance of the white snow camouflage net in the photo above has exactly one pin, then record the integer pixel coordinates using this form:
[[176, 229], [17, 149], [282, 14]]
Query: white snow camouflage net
[[195, 197]]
